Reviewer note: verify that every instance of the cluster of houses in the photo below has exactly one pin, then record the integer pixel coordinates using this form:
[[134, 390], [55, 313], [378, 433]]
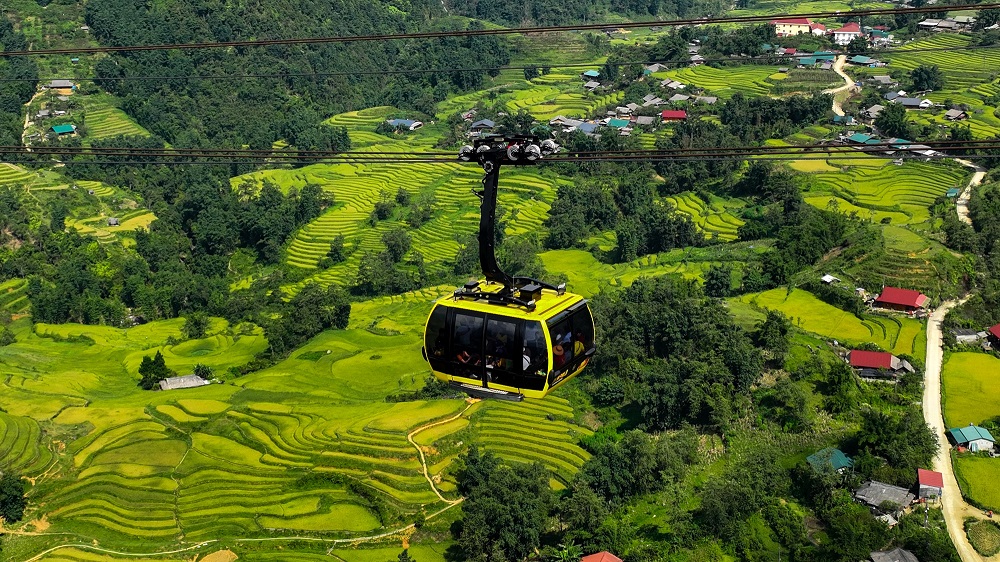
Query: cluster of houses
[[900, 148], [885, 501], [878, 35], [988, 338], [952, 24]]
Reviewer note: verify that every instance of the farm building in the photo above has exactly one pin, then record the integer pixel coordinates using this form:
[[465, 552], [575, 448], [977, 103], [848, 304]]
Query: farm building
[[955, 115], [592, 85], [619, 123], [873, 111], [604, 556], [906, 300], [672, 84], [42, 113], [113, 221], [829, 459], [187, 381], [862, 60], [972, 437], [644, 120], [482, 125], [829, 279], [968, 335], [846, 34], [884, 80], [673, 115], [843, 119], [993, 336], [64, 129], [894, 555], [876, 494], [408, 124], [930, 484], [590, 74], [791, 26], [61, 85], [678, 98], [878, 364], [913, 103]]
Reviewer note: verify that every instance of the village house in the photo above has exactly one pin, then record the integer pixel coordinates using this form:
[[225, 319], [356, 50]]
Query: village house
[[894, 555], [955, 115], [877, 364], [672, 84], [591, 86], [707, 100], [930, 484], [993, 335], [408, 124], [645, 121], [884, 80], [60, 85], [187, 381], [673, 115], [972, 437], [905, 300], [64, 129], [830, 459], [590, 74], [873, 111], [882, 497], [846, 34], [791, 26], [817, 29], [913, 103], [678, 98], [481, 126], [967, 335], [113, 221]]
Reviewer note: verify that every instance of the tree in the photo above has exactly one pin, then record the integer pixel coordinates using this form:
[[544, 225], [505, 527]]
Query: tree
[[58, 212], [397, 243], [505, 510], [927, 77], [337, 253], [530, 72], [719, 280], [405, 556], [7, 336], [772, 334], [153, 370], [203, 371], [195, 325], [891, 122], [12, 500], [858, 45]]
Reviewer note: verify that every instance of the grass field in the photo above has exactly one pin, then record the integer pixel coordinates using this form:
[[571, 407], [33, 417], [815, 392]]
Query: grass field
[[715, 218], [970, 391], [984, 536], [976, 477], [105, 120], [897, 335]]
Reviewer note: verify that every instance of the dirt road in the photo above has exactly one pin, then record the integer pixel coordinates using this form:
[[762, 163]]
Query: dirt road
[[954, 507], [962, 203], [838, 67]]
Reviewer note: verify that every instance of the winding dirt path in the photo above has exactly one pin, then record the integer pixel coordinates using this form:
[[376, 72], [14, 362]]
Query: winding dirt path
[[962, 203], [838, 67], [423, 460], [953, 506]]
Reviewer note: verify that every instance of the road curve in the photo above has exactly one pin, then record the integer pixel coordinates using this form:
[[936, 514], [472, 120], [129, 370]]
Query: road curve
[[962, 203], [838, 67], [953, 506]]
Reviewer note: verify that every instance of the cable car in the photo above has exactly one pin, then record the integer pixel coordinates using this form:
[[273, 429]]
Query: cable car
[[507, 337]]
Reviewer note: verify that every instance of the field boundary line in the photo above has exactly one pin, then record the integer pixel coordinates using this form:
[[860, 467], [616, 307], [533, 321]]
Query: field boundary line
[[117, 553], [423, 460]]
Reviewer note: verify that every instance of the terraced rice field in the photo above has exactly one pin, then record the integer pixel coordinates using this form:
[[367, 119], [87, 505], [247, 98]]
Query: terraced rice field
[[724, 82], [105, 120], [99, 228], [586, 275], [713, 218], [14, 296], [909, 189], [898, 335]]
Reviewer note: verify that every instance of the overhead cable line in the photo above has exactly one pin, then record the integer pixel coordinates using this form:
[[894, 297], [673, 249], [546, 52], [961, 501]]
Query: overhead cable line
[[255, 76], [497, 31]]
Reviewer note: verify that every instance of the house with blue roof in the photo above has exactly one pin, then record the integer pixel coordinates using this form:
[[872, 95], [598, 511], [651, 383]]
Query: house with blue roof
[[829, 459], [861, 138], [972, 437], [408, 124], [843, 119], [590, 74], [824, 56]]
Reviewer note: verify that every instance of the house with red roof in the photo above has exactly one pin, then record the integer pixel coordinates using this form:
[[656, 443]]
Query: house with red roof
[[877, 364], [930, 484], [604, 556], [906, 300], [791, 26], [674, 115], [817, 28], [993, 336], [846, 34]]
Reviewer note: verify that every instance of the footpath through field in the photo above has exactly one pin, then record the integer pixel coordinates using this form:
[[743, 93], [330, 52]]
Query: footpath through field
[[952, 504], [962, 203], [838, 67]]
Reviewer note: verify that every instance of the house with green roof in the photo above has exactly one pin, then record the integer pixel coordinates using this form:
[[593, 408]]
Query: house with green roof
[[619, 123], [591, 74], [972, 437], [64, 129], [829, 458]]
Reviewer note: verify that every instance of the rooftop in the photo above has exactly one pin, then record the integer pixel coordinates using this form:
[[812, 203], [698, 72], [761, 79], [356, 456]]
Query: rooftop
[[995, 331], [894, 555], [930, 478], [852, 27], [903, 297], [861, 359], [674, 114], [792, 21], [876, 493], [829, 457], [187, 381], [604, 556], [970, 433]]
